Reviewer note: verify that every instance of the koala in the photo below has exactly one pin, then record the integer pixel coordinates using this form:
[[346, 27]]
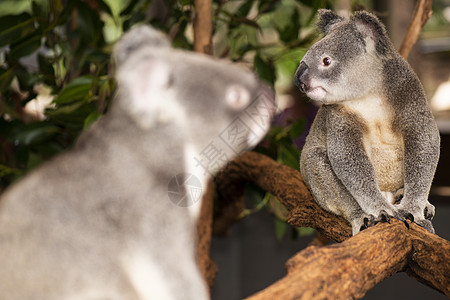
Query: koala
[[373, 147], [97, 222]]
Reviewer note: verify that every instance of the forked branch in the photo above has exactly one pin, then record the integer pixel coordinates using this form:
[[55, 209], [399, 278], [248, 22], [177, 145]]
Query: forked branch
[[350, 268]]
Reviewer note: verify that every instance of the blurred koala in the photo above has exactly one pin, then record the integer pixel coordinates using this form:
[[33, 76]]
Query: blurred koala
[[96, 222]]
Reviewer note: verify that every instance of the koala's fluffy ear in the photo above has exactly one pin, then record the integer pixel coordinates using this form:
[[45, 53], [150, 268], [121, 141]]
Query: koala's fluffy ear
[[372, 30], [146, 77], [145, 80], [327, 19], [137, 37]]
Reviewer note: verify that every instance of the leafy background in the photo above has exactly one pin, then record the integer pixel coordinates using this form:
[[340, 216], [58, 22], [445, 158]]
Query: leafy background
[[57, 54]]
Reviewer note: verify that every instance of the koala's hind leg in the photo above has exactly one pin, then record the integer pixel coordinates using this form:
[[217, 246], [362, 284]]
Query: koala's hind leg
[[328, 190]]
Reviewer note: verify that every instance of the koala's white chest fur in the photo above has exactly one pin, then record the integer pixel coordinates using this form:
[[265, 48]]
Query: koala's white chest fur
[[384, 147]]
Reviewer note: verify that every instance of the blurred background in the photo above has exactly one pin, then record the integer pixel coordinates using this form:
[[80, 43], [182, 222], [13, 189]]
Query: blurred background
[[57, 79], [250, 259]]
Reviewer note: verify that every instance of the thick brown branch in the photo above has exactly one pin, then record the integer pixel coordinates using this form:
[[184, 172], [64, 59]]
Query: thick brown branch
[[429, 260], [204, 232], [203, 26], [283, 182], [422, 12], [350, 268]]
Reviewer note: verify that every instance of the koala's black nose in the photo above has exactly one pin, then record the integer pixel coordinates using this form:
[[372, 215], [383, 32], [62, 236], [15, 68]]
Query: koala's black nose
[[299, 76]]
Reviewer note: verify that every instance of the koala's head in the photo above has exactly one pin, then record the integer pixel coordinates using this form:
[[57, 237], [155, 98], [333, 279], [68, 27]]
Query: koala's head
[[347, 63], [207, 99]]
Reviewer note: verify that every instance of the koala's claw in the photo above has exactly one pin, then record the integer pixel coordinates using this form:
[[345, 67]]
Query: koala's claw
[[410, 217], [385, 218], [367, 222], [406, 223], [428, 215], [421, 217], [370, 220]]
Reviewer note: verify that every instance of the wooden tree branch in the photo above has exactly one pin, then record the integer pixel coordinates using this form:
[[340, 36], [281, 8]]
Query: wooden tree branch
[[203, 26], [422, 12], [350, 268], [204, 232], [283, 182]]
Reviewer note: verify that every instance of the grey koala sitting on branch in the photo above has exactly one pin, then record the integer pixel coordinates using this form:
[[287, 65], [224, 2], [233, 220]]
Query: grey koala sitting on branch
[[373, 148], [98, 222]]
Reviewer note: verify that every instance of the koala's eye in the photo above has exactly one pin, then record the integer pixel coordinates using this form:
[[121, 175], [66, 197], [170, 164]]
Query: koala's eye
[[326, 61]]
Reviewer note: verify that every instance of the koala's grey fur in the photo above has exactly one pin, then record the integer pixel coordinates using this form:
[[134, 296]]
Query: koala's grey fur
[[96, 222], [373, 148]]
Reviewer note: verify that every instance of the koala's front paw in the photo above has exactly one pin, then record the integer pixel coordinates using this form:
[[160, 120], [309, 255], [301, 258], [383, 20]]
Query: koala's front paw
[[426, 224], [421, 216], [367, 220]]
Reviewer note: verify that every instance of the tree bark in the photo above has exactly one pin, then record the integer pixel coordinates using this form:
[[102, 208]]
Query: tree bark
[[349, 269], [422, 12], [204, 233], [283, 182], [344, 270], [203, 26]]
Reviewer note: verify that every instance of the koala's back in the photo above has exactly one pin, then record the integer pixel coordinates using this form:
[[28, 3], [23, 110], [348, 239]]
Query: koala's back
[[95, 236]]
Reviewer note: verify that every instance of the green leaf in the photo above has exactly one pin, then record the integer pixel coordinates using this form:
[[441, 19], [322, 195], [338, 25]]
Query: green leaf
[[129, 8], [297, 128], [288, 63], [72, 116], [26, 46], [280, 228], [91, 119], [265, 69], [14, 28], [34, 160], [5, 171], [289, 155], [106, 6], [34, 133], [6, 76], [251, 34], [78, 89], [46, 70], [290, 31], [14, 7], [278, 209], [244, 8], [45, 67], [40, 10], [267, 6], [304, 231], [64, 110], [26, 79]]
